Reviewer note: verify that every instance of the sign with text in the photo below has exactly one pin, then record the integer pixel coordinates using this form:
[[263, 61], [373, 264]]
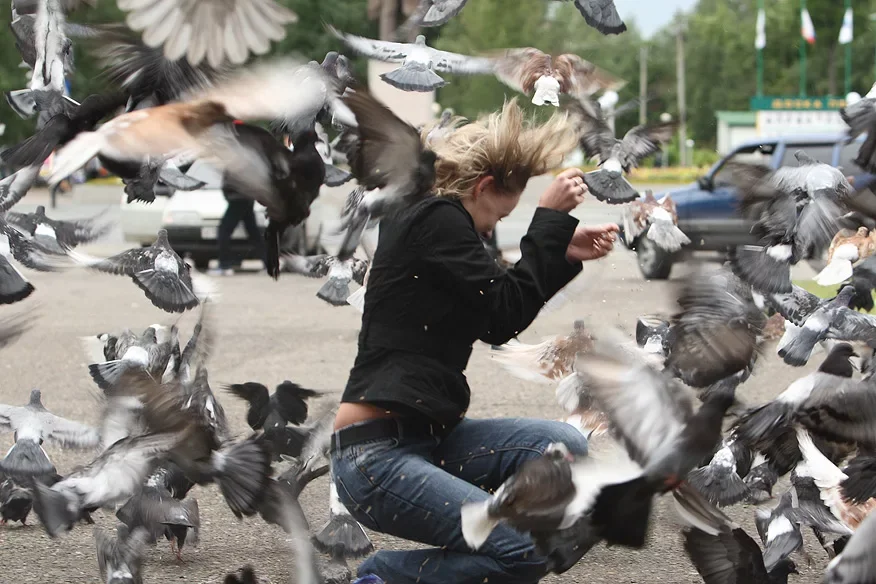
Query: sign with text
[[782, 123], [780, 103]]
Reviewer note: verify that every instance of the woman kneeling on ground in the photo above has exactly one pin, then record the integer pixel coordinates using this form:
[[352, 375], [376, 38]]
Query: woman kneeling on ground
[[405, 457]]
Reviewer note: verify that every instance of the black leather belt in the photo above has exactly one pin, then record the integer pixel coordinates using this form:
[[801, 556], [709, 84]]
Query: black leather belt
[[384, 428]]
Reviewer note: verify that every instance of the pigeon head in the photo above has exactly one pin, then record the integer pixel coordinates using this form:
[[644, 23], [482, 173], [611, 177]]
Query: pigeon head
[[35, 398], [845, 295], [838, 361], [420, 40], [162, 237], [331, 58]]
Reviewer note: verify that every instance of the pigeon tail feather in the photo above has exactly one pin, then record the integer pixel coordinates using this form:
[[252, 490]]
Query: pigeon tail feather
[[165, 291], [27, 458], [610, 187], [836, 272], [343, 537], [622, 511], [335, 291], [243, 475], [414, 77]]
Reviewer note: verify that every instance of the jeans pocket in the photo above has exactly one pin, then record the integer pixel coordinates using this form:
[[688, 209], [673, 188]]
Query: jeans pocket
[[363, 453]]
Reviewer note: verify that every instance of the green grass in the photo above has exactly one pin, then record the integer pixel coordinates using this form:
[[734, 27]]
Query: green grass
[[821, 291]]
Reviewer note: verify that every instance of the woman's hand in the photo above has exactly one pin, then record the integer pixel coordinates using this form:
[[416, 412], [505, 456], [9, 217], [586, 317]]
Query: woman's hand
[[566, 192], [591, 242]]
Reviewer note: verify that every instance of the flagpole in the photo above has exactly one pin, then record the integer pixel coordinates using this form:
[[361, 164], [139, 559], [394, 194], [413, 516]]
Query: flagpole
[[760, 59], [848, 55], [802, 52]]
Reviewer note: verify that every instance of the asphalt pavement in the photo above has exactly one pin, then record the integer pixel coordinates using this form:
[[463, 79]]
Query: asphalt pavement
[[270, 331]]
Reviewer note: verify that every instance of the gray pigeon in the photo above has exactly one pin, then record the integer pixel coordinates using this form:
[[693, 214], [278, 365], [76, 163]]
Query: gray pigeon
[[120, 557], [32, 424], [615, 156], [419, 61], [156, 510]]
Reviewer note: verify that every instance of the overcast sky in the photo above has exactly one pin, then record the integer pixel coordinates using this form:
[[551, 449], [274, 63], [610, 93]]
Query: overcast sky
[[651, 15]]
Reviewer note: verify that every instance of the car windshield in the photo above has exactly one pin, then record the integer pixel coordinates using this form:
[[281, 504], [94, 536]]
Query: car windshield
[[758, 154], [206, 173]]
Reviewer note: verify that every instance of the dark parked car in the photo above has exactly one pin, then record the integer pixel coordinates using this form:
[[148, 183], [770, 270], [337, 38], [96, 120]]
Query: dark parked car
[[708, 210]]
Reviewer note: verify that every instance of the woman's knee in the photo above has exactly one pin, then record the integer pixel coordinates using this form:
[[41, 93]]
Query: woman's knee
[[568, 435]]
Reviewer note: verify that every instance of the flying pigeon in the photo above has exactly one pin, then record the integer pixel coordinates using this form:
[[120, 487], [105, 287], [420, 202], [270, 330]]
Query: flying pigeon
[[198, 127], [658, 220], [654, 417], [390, 162], [722, 480], [534, 73], [32, 424], [161, 515], [288, 403], [59, 236], [547, 493], [113, 477], [732, 557], [796, 210], [198, 32], [419, 61], [601, 15], [616, 157], [340, 273], [845, 249], [549, 361], [157, 270], [716, 333], [861, 119]]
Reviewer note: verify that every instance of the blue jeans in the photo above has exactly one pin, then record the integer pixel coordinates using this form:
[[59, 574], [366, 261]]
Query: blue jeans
[[414, 487]]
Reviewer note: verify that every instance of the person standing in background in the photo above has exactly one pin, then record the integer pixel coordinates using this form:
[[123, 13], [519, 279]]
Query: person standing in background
[[240, 209]]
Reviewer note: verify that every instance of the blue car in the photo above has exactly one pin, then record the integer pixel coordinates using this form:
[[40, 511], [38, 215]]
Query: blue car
[[708, 210]]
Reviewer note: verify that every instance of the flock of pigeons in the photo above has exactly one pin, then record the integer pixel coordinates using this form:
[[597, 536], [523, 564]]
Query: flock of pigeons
[[181, 97], [821, 431]]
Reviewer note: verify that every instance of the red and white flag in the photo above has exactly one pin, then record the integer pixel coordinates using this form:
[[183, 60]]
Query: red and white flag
[[807, 30]]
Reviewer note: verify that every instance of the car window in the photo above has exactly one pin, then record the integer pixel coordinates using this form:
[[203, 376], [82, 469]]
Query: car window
[[757, 154], [820, 152]]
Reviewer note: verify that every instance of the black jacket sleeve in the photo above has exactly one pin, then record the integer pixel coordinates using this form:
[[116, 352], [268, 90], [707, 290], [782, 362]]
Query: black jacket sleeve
[[510, 298]]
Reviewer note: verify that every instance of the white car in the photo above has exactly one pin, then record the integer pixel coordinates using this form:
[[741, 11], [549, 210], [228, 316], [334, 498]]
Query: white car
[[192, 221]]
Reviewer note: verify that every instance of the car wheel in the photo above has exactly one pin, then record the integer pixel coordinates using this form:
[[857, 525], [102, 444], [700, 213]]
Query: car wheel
[[654, 263]]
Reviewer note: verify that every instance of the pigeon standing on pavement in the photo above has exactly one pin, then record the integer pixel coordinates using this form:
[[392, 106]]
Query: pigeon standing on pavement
[[32, 424]]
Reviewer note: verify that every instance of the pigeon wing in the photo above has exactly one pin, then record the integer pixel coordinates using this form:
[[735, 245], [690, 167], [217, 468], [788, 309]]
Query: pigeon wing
[[645, 407], [389, 149], [596, 138], [211, 31], [446, 62], [521, 68], [374, 49], [581, 78], [642, 141], [69, 433]]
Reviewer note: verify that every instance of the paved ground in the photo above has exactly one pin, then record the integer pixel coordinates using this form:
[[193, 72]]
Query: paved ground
[[269, 331]]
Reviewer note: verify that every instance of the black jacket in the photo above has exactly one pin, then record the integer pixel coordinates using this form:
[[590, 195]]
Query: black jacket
[[433, 291]]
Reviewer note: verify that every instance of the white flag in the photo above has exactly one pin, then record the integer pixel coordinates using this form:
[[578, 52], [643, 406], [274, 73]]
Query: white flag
[[846, 32], [760, 35], [807, 29]]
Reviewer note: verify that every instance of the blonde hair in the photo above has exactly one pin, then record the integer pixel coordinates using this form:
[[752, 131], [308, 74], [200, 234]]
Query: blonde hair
[[503, 145]]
